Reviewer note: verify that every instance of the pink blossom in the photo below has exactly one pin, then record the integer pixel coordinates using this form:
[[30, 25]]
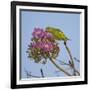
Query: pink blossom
[[38, 33], [47, 47]]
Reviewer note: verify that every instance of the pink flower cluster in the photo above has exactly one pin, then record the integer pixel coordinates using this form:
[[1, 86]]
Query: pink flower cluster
[[43, 45], [43, 40], [40, 33]]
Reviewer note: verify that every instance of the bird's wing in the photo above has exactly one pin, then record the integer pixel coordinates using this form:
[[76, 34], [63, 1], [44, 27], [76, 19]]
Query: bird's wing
[[56, 29]]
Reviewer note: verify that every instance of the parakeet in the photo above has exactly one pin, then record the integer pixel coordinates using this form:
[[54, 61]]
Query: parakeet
[[57, 33]]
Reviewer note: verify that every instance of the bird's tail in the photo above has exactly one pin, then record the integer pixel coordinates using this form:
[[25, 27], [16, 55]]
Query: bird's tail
[[67, 39]]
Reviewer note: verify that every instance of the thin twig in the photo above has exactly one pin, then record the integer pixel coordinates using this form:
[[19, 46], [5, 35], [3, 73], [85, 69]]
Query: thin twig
[[63, 63], [71, 58], [77, 72], [61, 69], [76, 59], [42, 74], [30, 75]]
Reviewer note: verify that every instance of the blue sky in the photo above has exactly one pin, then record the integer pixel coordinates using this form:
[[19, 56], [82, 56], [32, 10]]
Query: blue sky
[[69, 23]]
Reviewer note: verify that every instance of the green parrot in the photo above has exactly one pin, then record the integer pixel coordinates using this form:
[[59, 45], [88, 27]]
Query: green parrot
[[57, 33]]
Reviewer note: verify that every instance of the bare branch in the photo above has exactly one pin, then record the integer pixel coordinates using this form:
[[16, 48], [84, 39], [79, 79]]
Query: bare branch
[[42, 74], [76, 59], [71, 58], [60, 68], [63, 63], [30, 75]]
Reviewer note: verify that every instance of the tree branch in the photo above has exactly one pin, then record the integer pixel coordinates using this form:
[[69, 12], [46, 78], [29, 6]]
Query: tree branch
[[42, 74], [61, 69], [76, 59], [71, 59], [30, 75], [63, 63]]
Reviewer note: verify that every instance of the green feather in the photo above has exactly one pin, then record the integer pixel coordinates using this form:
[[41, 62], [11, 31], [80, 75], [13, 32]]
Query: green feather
[[57, 33]]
